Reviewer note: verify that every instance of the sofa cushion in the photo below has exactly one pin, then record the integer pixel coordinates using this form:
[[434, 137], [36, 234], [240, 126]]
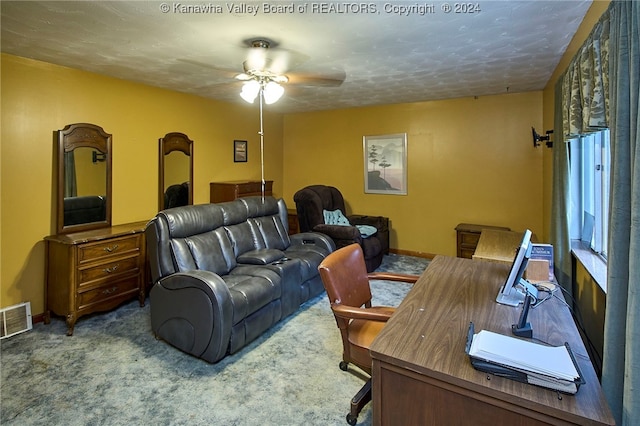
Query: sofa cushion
[[270, 232], [211, 251], [243, 237], [310, 258], [233, 212], [257, 206], [184, 222], [249, 293]]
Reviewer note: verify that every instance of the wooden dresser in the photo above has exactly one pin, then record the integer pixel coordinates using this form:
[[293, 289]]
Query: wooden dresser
[[94, 271], [229, 191]]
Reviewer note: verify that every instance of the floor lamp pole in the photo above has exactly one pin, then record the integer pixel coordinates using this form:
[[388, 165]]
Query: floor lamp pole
[[262, 144]]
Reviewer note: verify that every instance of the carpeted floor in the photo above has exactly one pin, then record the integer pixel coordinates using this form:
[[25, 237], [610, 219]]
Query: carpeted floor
[[113, 371]]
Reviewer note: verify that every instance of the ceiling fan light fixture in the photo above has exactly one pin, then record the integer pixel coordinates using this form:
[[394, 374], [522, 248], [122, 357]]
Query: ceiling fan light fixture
[[272, 92], [250, 91]]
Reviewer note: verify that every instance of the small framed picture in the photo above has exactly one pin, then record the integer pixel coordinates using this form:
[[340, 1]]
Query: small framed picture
[[385, 164], [239, 151]]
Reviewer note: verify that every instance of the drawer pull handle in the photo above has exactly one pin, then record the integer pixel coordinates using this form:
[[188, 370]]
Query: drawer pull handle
[[111, 249], [111, 269], [109, 290]]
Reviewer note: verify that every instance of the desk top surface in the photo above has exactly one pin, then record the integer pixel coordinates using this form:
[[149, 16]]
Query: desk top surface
[[428, 332], [497, 245]]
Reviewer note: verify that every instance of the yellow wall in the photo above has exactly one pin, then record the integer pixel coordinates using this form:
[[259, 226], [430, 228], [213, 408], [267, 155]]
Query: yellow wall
[[39, 98], [469, 160]]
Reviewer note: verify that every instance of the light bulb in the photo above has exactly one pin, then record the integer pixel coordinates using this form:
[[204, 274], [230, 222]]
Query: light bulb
[[250, 91], [272, 92]]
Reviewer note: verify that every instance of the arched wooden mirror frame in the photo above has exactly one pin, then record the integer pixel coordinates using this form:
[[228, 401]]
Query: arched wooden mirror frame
[[72, 137], [172, 142]]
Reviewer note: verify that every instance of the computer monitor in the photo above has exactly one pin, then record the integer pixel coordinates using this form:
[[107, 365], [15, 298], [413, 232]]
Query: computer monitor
[[509, 293]]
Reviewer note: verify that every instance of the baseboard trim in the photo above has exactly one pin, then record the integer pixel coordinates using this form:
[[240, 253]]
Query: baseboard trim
[[37, 318], [412, 253]]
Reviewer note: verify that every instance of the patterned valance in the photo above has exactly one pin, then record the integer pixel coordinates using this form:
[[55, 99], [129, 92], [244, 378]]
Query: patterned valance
[[585, 85]]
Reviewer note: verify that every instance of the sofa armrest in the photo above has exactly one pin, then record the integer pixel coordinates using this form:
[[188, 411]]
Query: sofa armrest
[[380, 222], [313, 238], [193, 312], [340, 232], [260, 256]]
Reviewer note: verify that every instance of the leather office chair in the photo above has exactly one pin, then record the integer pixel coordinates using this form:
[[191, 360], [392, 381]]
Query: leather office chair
[[346, 281], [313, 200]]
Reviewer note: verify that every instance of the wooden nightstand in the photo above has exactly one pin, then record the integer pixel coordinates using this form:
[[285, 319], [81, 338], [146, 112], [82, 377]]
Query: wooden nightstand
[[468, 235]]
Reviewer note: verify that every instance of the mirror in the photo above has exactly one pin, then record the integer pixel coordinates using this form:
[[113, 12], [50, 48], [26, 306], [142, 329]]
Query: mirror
[[175, 182], [84, 178]]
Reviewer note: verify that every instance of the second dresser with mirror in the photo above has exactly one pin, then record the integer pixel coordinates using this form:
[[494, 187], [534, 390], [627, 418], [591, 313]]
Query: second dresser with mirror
[[175, 171], [91, 265]]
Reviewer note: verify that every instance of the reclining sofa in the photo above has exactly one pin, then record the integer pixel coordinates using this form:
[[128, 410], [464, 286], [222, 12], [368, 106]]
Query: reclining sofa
[[225, 273]]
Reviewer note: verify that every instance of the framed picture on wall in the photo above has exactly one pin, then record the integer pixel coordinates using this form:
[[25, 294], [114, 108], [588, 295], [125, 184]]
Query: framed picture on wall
[[239, 151], [385, 164]]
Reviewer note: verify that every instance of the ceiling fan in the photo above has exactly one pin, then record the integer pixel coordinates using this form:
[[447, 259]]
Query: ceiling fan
[[267, 67], [267, 62]]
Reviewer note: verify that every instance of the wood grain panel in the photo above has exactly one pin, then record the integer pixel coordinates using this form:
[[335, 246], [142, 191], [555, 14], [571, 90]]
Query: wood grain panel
[[426, 338]]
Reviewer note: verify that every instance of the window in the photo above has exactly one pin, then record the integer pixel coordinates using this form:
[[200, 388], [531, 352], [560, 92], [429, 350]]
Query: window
[[590, 182]]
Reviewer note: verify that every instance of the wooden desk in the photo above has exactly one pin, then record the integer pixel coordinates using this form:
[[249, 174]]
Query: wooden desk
[[422, 375], [497, 245], [467, 236]]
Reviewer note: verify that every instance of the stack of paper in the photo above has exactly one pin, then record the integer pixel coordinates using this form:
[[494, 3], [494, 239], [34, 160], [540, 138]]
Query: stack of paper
[[548, 366]]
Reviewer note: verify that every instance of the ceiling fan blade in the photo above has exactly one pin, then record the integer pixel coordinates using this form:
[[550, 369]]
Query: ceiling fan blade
[[225, 71], [329, 80], [266, 55]]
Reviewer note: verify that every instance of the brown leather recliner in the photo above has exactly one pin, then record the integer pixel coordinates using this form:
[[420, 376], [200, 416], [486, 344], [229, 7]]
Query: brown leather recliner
[[346, 281], [312, 201]]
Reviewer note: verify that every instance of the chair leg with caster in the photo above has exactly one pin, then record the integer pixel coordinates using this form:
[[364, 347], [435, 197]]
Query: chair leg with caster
[[358, 402]]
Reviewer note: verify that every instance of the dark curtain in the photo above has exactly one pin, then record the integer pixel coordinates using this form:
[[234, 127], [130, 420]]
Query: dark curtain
[[621, 361]]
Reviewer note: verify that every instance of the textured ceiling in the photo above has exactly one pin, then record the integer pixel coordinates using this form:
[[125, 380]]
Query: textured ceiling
[[388, 54]]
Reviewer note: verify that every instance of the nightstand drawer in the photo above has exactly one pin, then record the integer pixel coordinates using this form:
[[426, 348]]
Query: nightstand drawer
[[468, 239]]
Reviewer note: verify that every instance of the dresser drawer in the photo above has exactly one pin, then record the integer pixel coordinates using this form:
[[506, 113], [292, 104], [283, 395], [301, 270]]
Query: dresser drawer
[[90, 252], [112, 290], [108, 269], [469, 239], [249, 188]]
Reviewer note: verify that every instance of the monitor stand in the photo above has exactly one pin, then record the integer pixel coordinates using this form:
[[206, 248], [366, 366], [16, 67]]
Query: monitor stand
[[517, 294]]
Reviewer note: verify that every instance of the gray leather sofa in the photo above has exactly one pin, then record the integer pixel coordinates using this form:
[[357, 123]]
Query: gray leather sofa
[[225, 273]]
